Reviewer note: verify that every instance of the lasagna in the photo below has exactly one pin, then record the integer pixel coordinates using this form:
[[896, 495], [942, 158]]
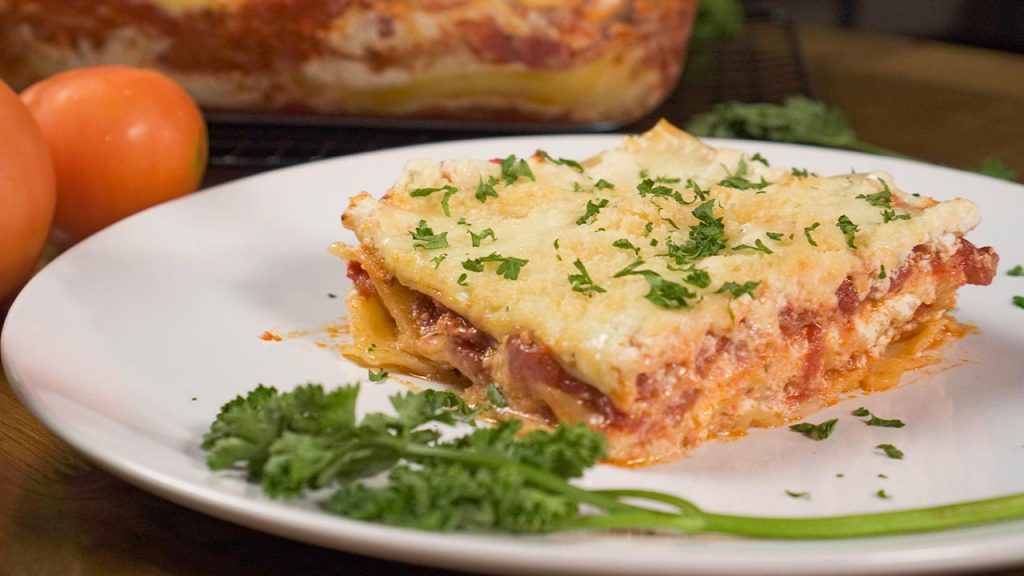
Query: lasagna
[[563, 60], [665, 292]]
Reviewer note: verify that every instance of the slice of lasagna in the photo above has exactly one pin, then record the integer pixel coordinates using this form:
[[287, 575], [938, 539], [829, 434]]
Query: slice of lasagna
[[665, 292]]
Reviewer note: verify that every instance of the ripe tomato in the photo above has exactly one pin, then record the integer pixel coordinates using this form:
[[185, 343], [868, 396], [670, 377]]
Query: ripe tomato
[[27, 193], [122, 139]]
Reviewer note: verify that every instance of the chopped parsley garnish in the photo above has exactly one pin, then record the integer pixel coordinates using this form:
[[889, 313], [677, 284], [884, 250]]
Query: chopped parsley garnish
[[795, 494], [662, 293], [629, 268], [881, 199], [463, 222], [332, 295], [816, 431], [706, 238], [555, 244], [438, 259], [698, 192], [885, 423], [876, 421], [560, 161], [758, 158], [593, 208], [462, 279], [777, 236], [496, 397], [800, 172], [477, 238], [377, 375], [625, 244], [603, 184], [648, 187], [737, 290], [448, 191], [995, 168], [882, 494], [881, 272], [891, 451], [758, 246], [647, 228], [807, 233], [890, 215], [508, 267], [410, 466], [485, 190], [1017, 270], [1018, 301], [741, 183], [849, 229], [513, 168], [582, 282], [424, 237], [697, 277]]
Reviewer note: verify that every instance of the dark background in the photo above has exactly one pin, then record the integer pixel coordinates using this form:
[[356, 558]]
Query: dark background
[[997, 24]]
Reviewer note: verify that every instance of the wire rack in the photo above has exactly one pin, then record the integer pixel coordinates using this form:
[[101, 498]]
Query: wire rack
[[763, 64]]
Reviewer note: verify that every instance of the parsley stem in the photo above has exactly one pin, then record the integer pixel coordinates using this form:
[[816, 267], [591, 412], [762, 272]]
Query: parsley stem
[[684, 506]]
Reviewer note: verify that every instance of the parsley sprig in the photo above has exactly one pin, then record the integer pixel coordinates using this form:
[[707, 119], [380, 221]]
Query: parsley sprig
[[423, 237], [488, 479], [508, 266], [582, 282]]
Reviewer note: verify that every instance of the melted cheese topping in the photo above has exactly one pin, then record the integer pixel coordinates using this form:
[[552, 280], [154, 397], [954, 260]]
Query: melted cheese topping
[[607, 339]]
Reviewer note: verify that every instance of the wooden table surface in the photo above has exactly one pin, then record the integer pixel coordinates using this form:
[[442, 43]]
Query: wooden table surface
[[60, 515]]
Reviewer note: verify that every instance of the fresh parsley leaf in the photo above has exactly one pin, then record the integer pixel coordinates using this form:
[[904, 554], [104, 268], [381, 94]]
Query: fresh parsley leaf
[[741, 183], [582, 282], [698, 192], [799, 172], [625, 244], [737, 290], [555, 244], [884, 423], [485, 190], [891, 451], [697, 277], [477, 238], [995, 168], [706, 238], [890, 215], [463, 222], [496, 397], [377, 375], [882, 494], [629, 269], [849, 229], [462, 278], [798, 119], [1018, 301], [508, 267], [648, 228], [758, 246], [1017, 270], [560, 161], [332, 295], [424, 237], [795, 494], [777, 236], [593, 208], [664, 293], [881, 199], [816, 431], [438, 259], [861, 412], [649, 187], [513, 168], [881, 272], [603, 184], [758, 158], [448, 191], [807, 233]]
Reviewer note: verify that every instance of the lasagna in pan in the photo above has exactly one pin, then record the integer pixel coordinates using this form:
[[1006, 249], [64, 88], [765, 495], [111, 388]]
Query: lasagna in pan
[[665, 292], [568, 60]]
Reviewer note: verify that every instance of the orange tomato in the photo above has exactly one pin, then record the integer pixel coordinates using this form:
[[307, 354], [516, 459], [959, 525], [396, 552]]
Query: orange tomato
[[122, 138], [27, 193]]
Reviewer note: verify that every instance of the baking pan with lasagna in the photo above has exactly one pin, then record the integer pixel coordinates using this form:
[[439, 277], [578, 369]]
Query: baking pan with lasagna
[[666, 292], [576, 62]]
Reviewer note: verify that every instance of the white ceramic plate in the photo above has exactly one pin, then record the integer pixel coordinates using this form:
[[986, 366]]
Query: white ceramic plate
[[127, 345]]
